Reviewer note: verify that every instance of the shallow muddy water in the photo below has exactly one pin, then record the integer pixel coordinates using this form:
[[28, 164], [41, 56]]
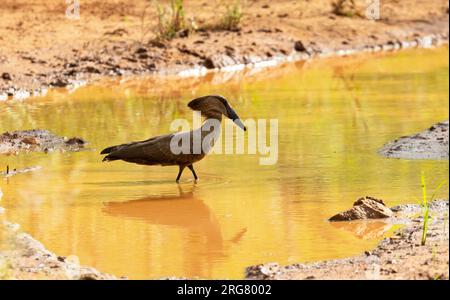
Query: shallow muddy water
[[136, 221]]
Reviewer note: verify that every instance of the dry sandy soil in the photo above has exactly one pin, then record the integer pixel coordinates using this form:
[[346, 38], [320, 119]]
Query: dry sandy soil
[[399, 257], [40, 47]]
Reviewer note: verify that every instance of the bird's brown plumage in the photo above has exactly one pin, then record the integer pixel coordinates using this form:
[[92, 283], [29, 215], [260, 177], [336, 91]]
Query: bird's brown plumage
[[157, 150]]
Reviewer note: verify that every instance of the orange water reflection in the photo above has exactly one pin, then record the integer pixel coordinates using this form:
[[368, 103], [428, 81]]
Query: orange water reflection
[[135, 221]]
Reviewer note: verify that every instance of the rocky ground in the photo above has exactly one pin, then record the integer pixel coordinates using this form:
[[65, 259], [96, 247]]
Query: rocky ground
[[37, 140], [398, 257], [40, 47], [429, 144]]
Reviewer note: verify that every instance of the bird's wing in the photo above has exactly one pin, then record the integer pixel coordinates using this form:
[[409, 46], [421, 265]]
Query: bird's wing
[[118, 147], [152, 151]]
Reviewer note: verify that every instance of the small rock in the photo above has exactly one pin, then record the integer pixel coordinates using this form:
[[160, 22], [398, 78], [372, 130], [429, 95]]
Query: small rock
[[299, 47], [91, 69], [143, 56], [141, 50], [118, 32], [75, 141], [29, 140], [265, 30], [89, 276], [391, 261], [265, 271], [59, 83], [183, 33], [208, 63], [70, 73], [365, 208], [6, 76], [156, 43]]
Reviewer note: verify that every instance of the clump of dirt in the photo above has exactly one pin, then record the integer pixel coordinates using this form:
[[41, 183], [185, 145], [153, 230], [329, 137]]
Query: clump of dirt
[[398, 257], [429, 144], [22, 257], [364, 208], [37, 140]]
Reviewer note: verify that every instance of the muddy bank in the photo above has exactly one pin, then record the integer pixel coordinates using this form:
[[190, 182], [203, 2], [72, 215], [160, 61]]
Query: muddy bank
[[119, 39], [399, 257], [429, 144], [22, 257], [37, 140]]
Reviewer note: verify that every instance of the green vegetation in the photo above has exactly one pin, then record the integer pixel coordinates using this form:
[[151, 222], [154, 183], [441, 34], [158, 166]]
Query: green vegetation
[[232, 16], [230, 19], [171, 20], [425, 205]]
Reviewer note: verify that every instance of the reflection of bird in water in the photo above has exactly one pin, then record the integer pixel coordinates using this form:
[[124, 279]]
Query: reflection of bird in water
[[159, 150], [181, 211]]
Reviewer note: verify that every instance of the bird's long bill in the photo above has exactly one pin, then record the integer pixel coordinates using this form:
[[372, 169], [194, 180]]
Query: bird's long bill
[[233, 116]]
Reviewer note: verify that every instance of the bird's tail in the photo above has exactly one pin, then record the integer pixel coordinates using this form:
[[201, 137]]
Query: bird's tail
[[110, 149], [109, 158]]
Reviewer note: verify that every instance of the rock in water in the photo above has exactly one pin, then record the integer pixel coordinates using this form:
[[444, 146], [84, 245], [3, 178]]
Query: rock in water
[[429, 144], [365, 208]]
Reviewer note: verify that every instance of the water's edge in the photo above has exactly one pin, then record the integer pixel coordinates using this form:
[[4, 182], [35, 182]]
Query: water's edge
[[409, 42]]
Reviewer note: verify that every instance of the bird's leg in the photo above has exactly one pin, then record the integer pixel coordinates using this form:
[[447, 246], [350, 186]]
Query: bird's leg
[[191, 167], [179, 173]]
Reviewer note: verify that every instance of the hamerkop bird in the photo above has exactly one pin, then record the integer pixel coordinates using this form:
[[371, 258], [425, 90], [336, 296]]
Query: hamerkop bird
[[183, 148]]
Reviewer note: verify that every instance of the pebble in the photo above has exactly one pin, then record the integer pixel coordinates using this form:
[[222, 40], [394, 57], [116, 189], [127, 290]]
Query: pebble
[[6, 76], [299, 47]]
